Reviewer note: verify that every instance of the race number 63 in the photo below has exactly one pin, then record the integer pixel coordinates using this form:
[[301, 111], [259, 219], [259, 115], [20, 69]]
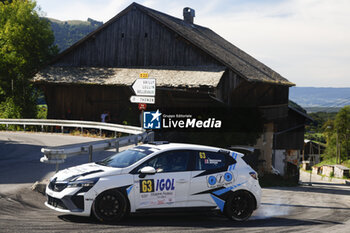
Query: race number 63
[[146, 186], [202, 155]]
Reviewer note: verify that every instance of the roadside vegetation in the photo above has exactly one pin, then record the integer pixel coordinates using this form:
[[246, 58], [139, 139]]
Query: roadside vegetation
[[332, 130], [26, 44], [332, 161], [315, 130]]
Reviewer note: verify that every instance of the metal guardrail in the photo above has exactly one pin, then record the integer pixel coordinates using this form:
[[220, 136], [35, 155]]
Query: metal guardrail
[[73, 124], [58, 154]]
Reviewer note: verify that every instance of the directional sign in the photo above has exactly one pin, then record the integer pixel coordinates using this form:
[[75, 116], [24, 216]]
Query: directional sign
[[142, 99], [145, 87]]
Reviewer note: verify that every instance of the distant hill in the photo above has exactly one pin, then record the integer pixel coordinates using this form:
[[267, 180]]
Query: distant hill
[[68, 32], [325, 99]]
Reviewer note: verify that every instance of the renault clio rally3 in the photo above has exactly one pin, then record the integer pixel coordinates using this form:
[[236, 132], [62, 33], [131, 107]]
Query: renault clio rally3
[[158, 176]]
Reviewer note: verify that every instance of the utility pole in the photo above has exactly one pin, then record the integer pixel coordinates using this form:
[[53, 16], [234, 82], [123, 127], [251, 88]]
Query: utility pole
[[336, 151], [319, 152], [310, 153], [337, 160]]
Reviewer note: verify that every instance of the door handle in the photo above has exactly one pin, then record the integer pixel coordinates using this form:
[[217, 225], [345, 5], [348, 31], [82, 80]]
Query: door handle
[[182, 181]]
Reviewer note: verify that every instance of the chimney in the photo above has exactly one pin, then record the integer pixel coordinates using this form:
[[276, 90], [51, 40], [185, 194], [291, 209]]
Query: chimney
[[188, 15]]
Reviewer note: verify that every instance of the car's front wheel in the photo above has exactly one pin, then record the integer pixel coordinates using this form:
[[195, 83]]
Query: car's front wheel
[[110, 206], [239, 206]]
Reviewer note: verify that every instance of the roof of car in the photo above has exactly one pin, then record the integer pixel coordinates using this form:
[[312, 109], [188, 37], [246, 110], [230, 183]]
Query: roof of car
[[167, 145]]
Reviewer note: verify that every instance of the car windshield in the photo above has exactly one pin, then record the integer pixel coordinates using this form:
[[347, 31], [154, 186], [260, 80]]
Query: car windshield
[[125, 158]]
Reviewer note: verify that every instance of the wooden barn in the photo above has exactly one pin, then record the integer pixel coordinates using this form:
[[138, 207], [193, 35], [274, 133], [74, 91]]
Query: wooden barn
[[288, 139], [193, 66]]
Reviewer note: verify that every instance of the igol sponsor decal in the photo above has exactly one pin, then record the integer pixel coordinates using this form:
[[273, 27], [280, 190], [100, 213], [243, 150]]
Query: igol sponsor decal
[[150, 185]]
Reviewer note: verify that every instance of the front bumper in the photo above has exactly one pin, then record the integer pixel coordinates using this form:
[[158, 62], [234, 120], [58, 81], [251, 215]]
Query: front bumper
[[76, 201]]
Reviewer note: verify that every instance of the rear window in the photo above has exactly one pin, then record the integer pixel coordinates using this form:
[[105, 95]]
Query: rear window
[[209, 160]]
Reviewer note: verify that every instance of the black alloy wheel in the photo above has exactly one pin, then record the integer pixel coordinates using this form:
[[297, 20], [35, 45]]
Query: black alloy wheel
[[239, 206], [110, 206]]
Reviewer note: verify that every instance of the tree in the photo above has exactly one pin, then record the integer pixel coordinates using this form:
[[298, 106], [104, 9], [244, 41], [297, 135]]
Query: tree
[[342, 126], [26, 44], [337, 133]]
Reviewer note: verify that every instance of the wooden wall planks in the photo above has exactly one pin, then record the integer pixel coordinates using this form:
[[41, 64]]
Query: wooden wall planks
[[136, 40]]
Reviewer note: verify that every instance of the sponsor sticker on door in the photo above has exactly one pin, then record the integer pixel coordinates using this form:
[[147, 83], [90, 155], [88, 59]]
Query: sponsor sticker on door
[[219, 180], [157, 192]]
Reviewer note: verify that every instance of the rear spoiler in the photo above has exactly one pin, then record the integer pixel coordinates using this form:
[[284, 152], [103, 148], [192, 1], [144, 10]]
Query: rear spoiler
[[231, 153], [242, 149], [235, 153]]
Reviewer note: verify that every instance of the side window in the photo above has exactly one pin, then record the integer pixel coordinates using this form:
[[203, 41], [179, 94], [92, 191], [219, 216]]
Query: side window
[[209, 160], [170, 161]]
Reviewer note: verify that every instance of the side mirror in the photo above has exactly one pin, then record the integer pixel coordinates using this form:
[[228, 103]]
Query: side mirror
[[147, 171]]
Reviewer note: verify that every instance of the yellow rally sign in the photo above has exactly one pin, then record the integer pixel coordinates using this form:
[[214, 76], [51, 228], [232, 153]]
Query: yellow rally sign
[[143, 75]]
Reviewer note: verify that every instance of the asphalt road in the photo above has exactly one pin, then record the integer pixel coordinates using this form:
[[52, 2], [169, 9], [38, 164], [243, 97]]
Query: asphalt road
[[322, 207]]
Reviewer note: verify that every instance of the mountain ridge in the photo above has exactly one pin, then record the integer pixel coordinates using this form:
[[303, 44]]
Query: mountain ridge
[[320, 98], [70, 31]]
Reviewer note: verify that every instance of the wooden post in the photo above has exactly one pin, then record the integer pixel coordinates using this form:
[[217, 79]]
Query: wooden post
[[90, 153], [142, 119], [339, 162], [117, 146]]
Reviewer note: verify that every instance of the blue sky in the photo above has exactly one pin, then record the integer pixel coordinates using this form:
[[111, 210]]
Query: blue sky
[[306, 41]]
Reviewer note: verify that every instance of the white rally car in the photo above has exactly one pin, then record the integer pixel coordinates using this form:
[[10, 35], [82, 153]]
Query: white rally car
[[159, 176]]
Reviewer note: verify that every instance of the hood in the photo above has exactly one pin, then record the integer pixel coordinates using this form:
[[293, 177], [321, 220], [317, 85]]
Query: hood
[[85, 171]]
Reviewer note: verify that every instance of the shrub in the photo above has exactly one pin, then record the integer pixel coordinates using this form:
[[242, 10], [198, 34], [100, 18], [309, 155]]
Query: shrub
[[8, 109], [42, 112]]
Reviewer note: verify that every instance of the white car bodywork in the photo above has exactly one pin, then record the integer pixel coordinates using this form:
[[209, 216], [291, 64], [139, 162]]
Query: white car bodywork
[[75, 189]]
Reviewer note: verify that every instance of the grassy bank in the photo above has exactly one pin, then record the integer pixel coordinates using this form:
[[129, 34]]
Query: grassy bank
[[332, 161]]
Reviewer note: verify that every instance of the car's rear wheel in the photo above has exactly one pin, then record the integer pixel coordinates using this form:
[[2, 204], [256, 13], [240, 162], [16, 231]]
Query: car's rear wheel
[[239, 206], [110, 206]]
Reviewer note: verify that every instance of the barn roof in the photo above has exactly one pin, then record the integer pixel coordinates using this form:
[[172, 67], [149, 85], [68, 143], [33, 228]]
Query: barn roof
[[206, 77], [219, 48], [205, 39]]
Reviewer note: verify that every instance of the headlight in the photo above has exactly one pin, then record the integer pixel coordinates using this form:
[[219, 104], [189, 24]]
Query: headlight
[[82, 183], [254, 175]]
